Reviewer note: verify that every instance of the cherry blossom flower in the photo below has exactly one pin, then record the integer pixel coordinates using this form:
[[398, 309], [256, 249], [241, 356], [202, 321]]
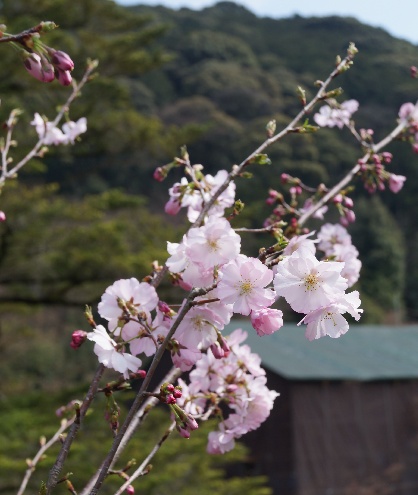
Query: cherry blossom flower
[[396, 182], [106, 350], [213, 244], [242, 284], [328, 320], [301, 243], [136, 296], [51, 135], [331, 117], [331, 234], [308, 284], [409, 112]]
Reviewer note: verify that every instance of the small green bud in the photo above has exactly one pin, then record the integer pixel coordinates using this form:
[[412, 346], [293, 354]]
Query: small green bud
[[301, 95], [246, 175], [261, 159], [184, 153], [271, 128], [47, 26], [333, 93], [352, 49], [337, 60]]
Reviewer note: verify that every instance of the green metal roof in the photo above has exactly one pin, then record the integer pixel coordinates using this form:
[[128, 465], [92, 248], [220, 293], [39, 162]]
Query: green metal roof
[[365, 352]]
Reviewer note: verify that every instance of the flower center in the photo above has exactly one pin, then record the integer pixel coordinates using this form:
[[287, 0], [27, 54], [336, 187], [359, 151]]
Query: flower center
[[245, 288], [213, 245], [311, 282]]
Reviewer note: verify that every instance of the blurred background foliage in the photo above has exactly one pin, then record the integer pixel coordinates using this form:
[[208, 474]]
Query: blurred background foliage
[[90, 214]]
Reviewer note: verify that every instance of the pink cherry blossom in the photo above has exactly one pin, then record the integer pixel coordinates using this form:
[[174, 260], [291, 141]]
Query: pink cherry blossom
[[301, 243], [137, 296], [331, 234], [328, 320], [106, 350], [331, 117], [308, 284], [396, 182], [242, 284], [213, 244]]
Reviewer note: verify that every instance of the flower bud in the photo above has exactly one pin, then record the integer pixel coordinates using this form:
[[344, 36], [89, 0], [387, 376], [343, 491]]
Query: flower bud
[[78, 338], [39, 68], [63, 76], [2, 216], [130, 490], [61, 60]]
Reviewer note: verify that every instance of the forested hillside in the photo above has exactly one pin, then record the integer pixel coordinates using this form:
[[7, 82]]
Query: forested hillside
[[211, 80]]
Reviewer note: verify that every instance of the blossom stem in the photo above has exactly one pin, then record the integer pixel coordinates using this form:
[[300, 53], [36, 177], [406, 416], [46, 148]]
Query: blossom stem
[[65, 449], [237, 169], [33, 462], [142, 469]]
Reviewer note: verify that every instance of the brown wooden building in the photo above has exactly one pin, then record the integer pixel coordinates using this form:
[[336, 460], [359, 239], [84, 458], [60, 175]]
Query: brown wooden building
[[346, 422]]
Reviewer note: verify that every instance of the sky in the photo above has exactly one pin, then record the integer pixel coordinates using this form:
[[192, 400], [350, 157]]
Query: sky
[[398, 17]]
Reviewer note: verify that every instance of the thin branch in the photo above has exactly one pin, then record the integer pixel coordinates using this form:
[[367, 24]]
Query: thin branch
[[65, 449], [33, 462], [237, 169], [141, 470], [345, 180], [136, 422], [35, 150]]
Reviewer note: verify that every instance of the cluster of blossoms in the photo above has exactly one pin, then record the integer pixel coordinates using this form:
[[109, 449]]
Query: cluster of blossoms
[[238, 383], [336, 116], [51, 135], [193, 195], [317, 288]]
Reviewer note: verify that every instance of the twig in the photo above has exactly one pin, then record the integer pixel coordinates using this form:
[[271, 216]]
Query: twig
[[62, 456], [34, 151], [33, 462], [140, 471]]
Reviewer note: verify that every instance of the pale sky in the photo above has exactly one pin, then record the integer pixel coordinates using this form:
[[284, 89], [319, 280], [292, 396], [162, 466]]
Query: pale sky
[[398, 17]]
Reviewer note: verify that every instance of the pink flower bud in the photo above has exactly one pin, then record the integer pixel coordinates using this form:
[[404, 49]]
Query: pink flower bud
[[130, 490], [2, 216], [141, 374], [266, 321], [191, 423], [159, 174], [217, 351], [183, 432], [62, 60], [413, 71], [177, 393], [39, 68], [284, 178], [337, 199], [387, 157], [78, 338], [172, 207], [170, 387], [63, 77], [348, 202], [164, 308], [170, 399], [350, 216]]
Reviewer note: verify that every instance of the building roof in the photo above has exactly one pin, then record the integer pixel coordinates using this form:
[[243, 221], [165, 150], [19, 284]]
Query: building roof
[[365, 352]]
